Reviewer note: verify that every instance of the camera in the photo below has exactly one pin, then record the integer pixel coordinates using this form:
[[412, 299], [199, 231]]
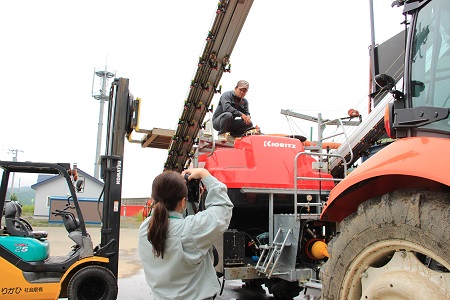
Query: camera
[[193, 186]]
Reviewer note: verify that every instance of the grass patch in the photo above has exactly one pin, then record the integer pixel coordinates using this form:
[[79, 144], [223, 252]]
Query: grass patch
[[131, 222], [27, 210]]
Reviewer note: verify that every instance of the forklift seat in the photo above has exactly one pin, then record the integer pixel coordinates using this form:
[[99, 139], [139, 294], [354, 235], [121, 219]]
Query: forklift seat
[[16, 226]]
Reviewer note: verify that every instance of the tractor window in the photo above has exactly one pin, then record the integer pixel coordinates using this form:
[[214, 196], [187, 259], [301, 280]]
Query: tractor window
[[430, 66]]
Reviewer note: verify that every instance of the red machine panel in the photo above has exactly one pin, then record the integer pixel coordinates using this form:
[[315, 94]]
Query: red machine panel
[[264, 161]]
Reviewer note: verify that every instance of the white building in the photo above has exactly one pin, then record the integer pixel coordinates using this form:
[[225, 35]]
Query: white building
[[56, 186]]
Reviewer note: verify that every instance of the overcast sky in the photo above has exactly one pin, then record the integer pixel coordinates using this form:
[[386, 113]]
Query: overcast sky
[[308, 56]]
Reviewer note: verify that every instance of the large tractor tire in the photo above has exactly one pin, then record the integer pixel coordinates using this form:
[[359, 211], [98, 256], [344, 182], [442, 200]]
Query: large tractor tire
[[396, 246], [92, 283]]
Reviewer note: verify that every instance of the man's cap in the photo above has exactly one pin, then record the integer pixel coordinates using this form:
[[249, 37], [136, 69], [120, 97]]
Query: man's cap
[[243, 83]]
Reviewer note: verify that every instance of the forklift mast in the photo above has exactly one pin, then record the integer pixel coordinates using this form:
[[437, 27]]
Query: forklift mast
[[120, 112]]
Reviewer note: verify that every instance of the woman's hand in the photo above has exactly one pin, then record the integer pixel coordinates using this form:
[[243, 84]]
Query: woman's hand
[[196, 173]]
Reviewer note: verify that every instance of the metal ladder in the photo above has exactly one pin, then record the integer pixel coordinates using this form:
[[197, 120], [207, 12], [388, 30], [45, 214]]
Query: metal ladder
[[271, 252]]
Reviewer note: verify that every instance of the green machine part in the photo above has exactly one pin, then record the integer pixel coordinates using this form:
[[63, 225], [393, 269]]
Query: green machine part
[[27, 248]]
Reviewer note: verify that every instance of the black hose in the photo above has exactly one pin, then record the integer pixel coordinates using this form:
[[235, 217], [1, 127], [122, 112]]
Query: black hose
[[98, 203], [223, 285]]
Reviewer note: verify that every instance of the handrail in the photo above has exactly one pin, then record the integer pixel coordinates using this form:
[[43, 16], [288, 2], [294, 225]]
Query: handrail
[[296, 177]]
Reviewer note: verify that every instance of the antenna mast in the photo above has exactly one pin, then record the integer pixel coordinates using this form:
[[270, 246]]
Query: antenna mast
[[104, 75]]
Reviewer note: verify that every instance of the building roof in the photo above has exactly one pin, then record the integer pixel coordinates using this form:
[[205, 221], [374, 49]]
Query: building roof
[[45, 178], [42, 177]]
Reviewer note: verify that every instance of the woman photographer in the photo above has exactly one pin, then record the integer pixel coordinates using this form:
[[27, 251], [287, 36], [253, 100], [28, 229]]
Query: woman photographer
[[176, 252]]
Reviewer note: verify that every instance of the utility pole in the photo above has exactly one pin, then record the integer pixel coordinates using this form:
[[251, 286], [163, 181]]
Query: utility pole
[[102, 97], [14, 152]]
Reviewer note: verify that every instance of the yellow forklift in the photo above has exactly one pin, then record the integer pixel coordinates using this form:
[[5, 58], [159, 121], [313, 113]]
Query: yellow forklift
[[28, 270]]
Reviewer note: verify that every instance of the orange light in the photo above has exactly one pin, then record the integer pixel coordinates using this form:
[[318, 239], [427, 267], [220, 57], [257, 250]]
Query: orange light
[[388, 120], [320, 250]]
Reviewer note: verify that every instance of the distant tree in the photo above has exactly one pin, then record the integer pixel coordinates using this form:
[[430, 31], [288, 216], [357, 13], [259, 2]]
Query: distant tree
[[14, 197]]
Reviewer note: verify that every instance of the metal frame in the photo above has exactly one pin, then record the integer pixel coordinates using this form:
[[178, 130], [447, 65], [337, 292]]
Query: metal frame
[[296, 178], [119, 114], [47, 168], [229, 20]]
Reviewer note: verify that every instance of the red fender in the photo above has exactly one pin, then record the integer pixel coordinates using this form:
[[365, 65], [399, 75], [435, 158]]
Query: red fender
[[416, 162]]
